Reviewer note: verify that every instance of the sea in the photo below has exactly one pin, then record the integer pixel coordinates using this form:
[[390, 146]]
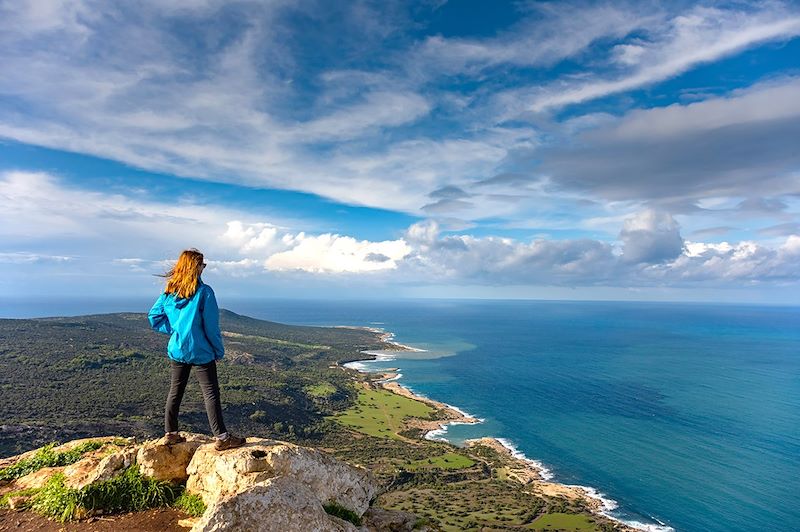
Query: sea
[[681, 417]]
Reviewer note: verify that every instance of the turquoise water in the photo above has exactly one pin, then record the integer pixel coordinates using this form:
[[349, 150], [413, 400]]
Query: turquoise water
[[687, 415]]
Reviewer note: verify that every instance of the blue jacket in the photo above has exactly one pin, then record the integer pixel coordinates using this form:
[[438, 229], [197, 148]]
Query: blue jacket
[[193, 324]]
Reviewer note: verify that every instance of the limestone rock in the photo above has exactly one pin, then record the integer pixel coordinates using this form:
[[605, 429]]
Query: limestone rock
[[169, 462], [37, 479], [214, 475], [98, 468], [280, 504]]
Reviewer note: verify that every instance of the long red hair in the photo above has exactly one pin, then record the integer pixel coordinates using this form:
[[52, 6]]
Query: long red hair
[[184, 278]]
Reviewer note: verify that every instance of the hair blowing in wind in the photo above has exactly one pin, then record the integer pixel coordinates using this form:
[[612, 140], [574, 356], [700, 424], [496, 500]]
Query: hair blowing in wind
[[184, 277]]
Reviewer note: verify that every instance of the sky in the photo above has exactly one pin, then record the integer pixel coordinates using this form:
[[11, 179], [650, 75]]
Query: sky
[[313, 149]]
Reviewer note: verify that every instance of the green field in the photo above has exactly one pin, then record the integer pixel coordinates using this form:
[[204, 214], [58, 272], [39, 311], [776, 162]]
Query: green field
[[561, 521], [381, 413]]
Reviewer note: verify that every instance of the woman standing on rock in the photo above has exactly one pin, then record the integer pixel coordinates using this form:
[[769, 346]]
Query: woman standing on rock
[[187, 310]]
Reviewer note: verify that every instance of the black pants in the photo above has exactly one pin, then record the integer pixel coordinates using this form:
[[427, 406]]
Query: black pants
[[207, 377]]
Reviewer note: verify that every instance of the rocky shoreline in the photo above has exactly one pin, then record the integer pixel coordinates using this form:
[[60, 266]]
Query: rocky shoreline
[[523, 470]]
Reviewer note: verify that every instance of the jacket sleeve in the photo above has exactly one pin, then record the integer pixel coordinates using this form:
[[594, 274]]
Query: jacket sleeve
[[158, 318], [211, 323]]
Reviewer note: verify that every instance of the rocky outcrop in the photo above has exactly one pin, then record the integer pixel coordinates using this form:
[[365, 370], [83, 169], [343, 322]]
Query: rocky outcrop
[[214, 475], [265, 485], [97, 468], [270, 475], [169, 462], [279, 504]]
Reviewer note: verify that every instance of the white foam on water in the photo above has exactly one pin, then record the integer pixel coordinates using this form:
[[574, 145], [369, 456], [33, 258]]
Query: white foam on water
[[545, 473], [439, 434], [609, 505], [380, 356]]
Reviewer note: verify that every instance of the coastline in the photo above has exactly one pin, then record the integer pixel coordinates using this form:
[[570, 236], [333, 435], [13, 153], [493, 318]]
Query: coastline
[[528, 472]]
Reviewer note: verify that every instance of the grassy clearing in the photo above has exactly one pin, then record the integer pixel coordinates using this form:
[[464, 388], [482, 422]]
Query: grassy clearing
[[381, 413], [323, 389], [444, 461], [47, 457], [561, 521]]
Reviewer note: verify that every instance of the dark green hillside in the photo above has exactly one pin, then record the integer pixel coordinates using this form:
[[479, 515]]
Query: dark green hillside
[[63, 378]]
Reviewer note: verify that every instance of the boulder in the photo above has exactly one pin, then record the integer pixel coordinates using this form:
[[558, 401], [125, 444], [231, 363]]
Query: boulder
[[96, 468], [216, 475], [169, 462], [280, 504]]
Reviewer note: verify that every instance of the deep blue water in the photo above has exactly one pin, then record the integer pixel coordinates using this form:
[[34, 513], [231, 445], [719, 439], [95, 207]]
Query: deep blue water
[[688, 414]]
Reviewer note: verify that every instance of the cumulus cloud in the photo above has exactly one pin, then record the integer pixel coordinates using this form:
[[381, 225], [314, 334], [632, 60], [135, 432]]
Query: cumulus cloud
[[329, 253], [650, 236], [649, 251]]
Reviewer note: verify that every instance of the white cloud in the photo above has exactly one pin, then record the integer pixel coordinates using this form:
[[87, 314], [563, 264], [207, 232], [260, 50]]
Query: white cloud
[[650, 236], [38, 215], [24, 257], [702, 35], [328, 253]]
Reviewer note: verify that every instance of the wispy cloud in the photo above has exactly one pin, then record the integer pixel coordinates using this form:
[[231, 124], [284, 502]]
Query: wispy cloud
[[702, 35]]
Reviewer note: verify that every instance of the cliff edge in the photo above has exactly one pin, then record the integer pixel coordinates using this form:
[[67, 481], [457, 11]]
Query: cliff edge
[[265, 485]]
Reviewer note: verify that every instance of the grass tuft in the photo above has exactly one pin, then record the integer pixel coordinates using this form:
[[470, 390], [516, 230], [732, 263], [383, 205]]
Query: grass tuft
[[190, 503], [129, 491], [57, 500]]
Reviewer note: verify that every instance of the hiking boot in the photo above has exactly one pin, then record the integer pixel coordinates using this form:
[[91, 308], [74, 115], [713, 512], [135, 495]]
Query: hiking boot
[[231, 442], [171, 438]]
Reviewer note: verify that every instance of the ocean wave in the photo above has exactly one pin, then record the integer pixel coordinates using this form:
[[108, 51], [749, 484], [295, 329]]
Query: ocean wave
[[439, 434], [357, 365], [380, 356], [609, 505]]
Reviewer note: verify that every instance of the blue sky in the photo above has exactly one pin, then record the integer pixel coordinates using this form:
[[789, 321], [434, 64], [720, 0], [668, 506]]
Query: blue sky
[[641, 150]]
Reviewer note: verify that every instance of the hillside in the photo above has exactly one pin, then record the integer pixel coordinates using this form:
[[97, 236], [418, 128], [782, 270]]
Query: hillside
[[66, 378], [91, 376]]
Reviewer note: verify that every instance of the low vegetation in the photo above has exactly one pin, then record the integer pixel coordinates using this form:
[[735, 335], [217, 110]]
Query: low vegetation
[[48, 457], [129, 491], [341, 512]]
